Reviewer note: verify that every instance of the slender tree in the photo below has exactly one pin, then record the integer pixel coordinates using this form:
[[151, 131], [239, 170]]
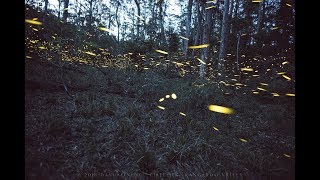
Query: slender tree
[[137, 2], [46, 2], [205, 39], [197, 39], [65, 10], [224, 35], [188, 22], [260, 24]]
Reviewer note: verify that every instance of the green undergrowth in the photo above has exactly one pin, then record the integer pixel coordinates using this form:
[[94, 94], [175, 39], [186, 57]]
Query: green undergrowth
[[111, 124]]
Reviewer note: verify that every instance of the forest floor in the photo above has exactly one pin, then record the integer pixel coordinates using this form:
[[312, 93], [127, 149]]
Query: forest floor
[[110, 127]]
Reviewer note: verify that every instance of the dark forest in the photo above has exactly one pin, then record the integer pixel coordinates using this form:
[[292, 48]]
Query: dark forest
[[158, 89]]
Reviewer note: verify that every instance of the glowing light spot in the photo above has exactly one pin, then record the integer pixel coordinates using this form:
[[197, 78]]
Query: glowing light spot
[[264, 84], [65, 9], [255, 92], [139, 17], [243, 140], [286, 155], [220, 109], [261, 89], [289, 5], [160, 107], [35, 29], [183, 38], [107, 30], [167, 96], [183, 114], [199, 46], [286, 77], [280, 73], [162, 99], [34, 19], [286, 62], [173, 96], [162, 52], [201, 61], [238, 84], [289, 94], [274, 28], [29, 57], [211, 1], [215, 128], [41, 47], [268, 70], [275, 94], [33, 22], [255, 75], [210, 7], [90, 53], [246, 69]]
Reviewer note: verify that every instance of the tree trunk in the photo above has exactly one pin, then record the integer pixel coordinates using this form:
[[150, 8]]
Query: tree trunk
[[90, 15], [65, 10], [238, 43], [199, 29], [188, 22], [118, 23], [162, 36], [205, 40], [224, 36], [260, 24], [46, 2], [59, 8], [138, 19], [230, 16]]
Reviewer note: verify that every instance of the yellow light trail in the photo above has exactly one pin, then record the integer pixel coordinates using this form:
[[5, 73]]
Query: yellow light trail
[[243, 140], [90, 53], [280, 73], [289, 94], [261, 89], [33, 22], [220, 109], [182, 37], [160, 107], [212, 1], [286, 155], [286, 77], [246, 69], [162, 52], [210, 7], [201, 61], [275, 94], [107, 30], [199, 46]]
